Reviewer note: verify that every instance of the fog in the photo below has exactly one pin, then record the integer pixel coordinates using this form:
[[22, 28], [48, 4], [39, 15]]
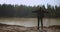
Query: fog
[[30, 22]]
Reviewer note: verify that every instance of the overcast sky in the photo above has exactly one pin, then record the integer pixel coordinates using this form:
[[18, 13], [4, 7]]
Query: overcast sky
[[31, 2]]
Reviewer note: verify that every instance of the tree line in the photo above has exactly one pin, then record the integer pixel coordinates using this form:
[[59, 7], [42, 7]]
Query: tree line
[[8, 10]]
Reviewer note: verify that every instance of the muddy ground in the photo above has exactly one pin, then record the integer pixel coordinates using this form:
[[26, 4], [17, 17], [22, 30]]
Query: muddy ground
[[16, 28]]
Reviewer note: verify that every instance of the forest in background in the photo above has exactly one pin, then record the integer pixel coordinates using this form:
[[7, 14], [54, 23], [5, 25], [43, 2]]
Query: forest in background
[[8, 10]]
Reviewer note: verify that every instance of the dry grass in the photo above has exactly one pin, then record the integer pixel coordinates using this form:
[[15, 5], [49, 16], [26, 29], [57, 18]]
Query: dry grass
[[15, 28]]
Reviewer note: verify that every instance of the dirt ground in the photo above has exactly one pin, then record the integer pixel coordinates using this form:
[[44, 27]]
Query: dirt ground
[[15, 28]]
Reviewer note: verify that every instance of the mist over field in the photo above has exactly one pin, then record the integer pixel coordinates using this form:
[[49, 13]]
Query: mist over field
[[24, 15], [22, 18]]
